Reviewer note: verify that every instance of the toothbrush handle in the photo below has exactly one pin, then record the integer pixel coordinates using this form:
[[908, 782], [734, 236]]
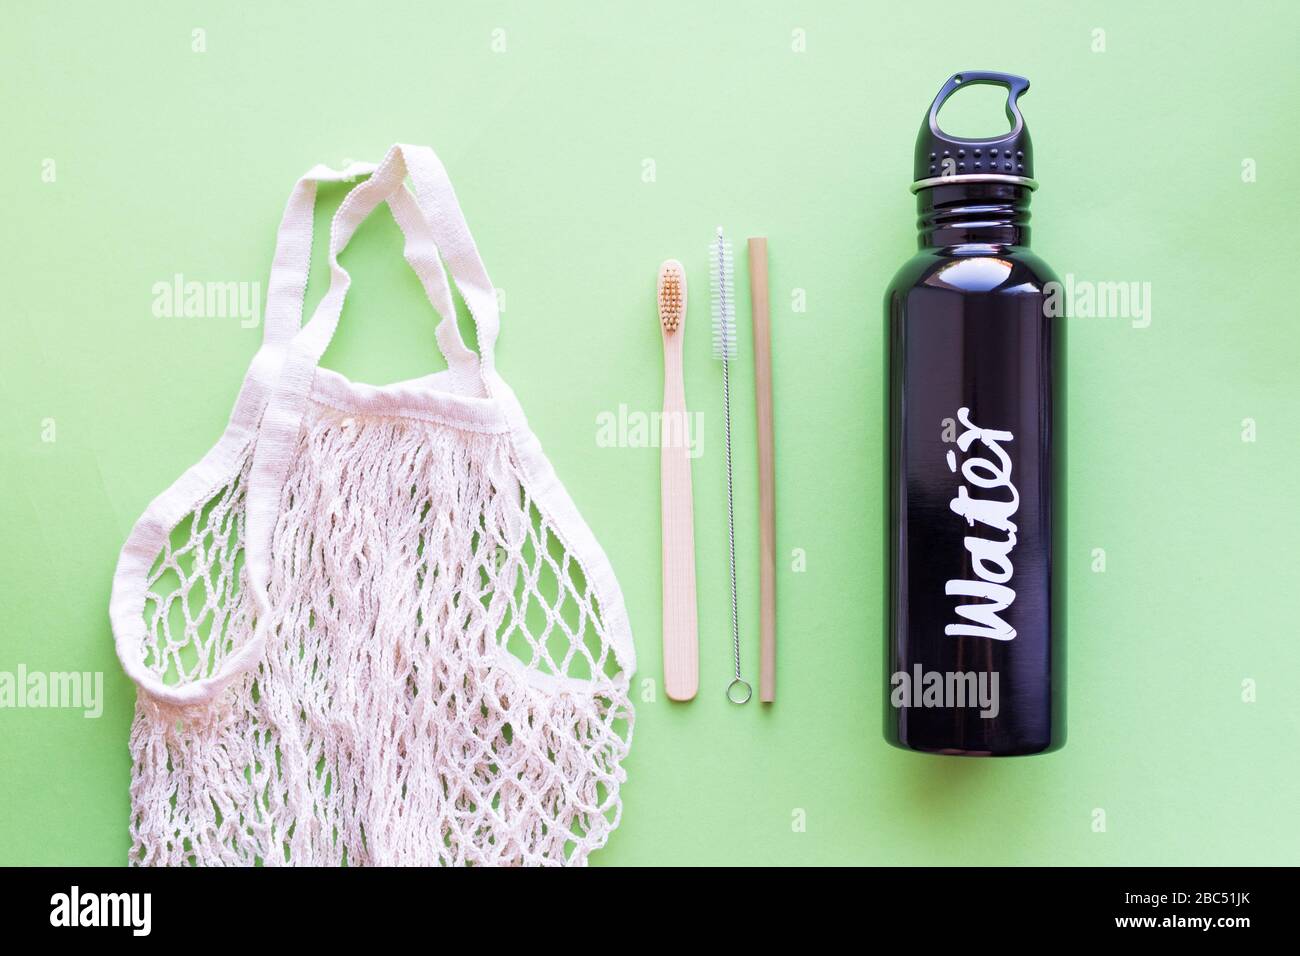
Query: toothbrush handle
[[681, 638]]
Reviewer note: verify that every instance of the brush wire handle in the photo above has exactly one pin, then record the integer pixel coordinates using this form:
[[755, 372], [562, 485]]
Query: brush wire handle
[[722, 285], [681, 629]]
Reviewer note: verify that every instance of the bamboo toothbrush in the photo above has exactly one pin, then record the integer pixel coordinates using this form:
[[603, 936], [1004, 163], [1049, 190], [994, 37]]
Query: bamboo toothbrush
[[681, 637], [766, 469], [723, 285]]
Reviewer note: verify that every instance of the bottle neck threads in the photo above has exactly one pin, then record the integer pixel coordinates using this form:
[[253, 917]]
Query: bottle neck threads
[[980, 214]]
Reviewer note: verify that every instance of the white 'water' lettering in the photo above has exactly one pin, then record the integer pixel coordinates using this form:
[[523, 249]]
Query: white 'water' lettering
[[991, 556]]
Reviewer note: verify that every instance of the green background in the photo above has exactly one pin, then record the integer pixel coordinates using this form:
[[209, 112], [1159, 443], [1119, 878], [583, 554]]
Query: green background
[[173, 161]]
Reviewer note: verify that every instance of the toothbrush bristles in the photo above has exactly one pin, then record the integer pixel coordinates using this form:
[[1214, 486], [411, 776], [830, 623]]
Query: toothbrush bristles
[[672, 295]]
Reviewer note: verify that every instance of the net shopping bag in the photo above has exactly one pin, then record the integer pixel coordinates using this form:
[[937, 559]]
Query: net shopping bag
[[370, 626]]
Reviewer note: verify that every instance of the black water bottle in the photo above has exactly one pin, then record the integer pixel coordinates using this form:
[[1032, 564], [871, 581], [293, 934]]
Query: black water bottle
[[975, 636]]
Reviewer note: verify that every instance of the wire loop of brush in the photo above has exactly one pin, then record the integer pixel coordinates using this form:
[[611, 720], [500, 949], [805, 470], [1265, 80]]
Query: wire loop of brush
[[723, 289]]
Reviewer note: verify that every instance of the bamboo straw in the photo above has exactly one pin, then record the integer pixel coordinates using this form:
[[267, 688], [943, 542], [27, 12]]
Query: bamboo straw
[[766, 468]]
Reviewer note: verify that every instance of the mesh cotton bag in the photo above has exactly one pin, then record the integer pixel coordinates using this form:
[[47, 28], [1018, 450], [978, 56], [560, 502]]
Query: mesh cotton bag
[[370, 627]]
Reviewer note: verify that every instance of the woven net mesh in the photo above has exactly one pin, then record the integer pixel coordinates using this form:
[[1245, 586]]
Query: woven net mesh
[[437, 686]]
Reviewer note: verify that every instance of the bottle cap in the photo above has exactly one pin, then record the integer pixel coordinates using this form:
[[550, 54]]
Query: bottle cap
[[942, 158]]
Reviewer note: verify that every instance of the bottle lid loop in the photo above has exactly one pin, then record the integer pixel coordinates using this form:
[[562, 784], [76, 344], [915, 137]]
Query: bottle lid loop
[[1008, 157]]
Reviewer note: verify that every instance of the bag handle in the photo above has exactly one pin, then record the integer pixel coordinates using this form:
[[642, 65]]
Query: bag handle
[[286, 290], [449, 236], [439, 227], [292, 262]]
